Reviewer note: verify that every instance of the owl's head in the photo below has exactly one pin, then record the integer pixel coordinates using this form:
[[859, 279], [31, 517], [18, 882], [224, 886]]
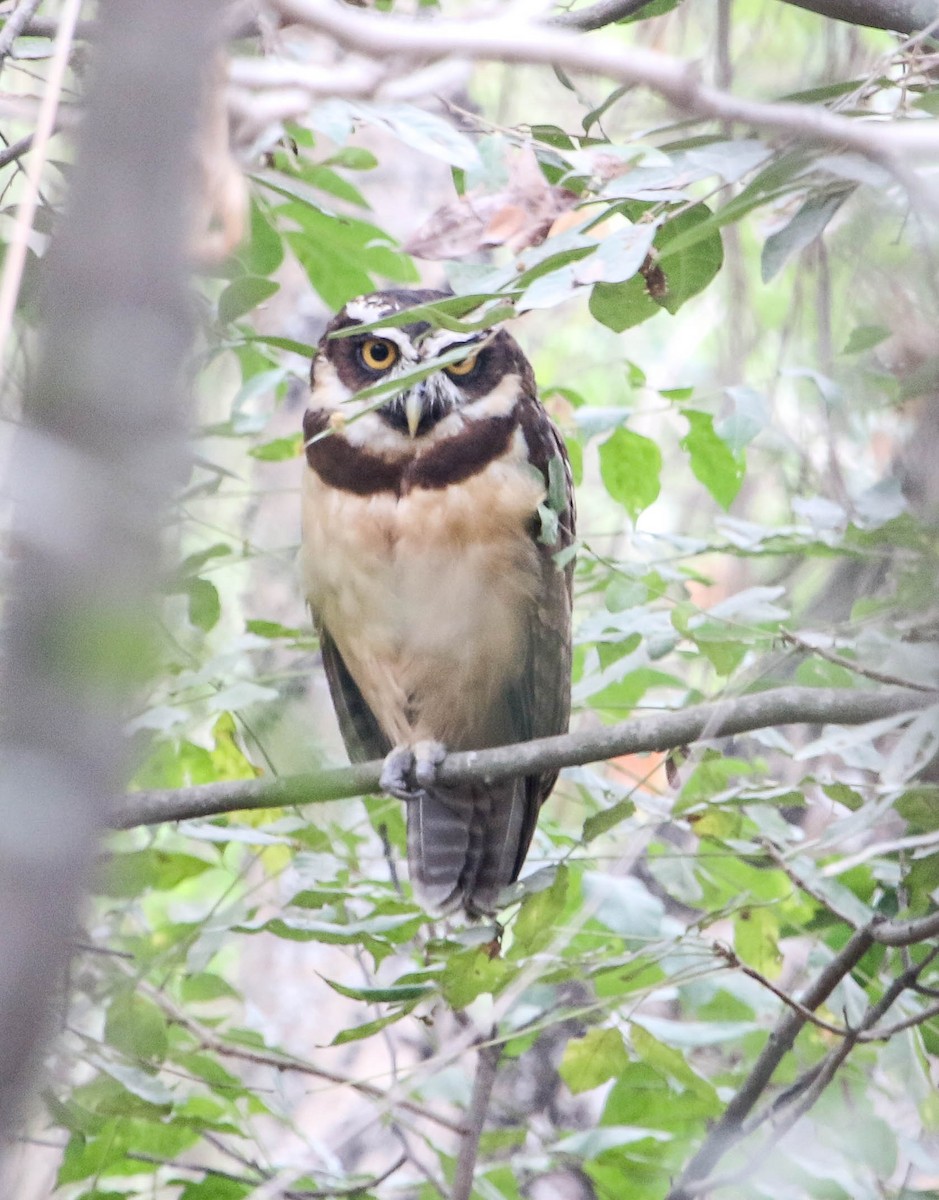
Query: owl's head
[[483, 371]]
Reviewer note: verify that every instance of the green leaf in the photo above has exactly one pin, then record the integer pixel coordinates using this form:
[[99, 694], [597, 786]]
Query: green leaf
[[278, 450], [217, 1187], [670, 1062], [470, 973], [353, 158], [629, 467], [393, 994], [205, 986], [607, 819], [712, 460], [244, 294], [690, 254], [593, 1059], [358, 1033], [534, 926], [808, 224], [620, 306], [136, 1027], [132, 873], [205, 607], [264, 251], [756, 940], [865, 337]]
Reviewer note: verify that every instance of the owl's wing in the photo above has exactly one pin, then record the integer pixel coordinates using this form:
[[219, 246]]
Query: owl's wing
[[540, 700], [360, 731]]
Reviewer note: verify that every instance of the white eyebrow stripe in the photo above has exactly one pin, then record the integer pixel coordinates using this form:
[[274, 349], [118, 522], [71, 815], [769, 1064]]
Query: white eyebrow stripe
[[443, 340]]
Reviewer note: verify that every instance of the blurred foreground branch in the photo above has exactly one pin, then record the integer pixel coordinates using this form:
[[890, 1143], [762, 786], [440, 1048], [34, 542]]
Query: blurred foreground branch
[[97, 460]]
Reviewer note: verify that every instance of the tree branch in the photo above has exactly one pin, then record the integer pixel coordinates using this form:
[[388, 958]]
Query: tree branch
[[511, 40], [487, 1065], [93, 467], [596, 16], [728, 1129], [900, 16], [663, 731], [16, 22], [210, 1040]]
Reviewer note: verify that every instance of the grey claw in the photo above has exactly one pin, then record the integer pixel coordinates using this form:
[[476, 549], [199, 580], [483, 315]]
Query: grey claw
[[395, 779], [428, 756]]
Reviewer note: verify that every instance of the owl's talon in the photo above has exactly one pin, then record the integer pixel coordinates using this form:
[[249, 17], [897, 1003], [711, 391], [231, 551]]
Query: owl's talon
[[395, 778], [427, 758]]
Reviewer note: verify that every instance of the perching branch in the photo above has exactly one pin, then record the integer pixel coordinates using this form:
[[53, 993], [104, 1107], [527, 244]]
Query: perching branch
[[661, 732], [386, 38]]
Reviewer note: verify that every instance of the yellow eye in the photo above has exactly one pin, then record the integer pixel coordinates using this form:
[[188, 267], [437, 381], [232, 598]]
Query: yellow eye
[[378, 354], [464, 367]]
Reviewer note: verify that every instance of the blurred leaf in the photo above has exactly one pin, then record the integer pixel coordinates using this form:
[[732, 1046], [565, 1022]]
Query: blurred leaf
[[712, 461], [205, 606], [807, 224], [630, 466], [136, 1026], [593, 1059], [243, 294], [534, 926]]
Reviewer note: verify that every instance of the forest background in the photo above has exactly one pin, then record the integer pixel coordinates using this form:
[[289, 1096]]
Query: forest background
[[717, 222]]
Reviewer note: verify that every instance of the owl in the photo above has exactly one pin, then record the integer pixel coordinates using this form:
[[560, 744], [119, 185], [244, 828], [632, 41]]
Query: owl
[[435, 518]]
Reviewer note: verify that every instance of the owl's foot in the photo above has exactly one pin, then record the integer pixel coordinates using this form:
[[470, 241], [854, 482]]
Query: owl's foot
[[409, 770]]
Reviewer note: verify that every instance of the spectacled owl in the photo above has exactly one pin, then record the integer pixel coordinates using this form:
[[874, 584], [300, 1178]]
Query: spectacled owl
[[432, 526]]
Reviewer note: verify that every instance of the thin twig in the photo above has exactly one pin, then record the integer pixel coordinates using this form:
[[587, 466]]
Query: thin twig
[[356, 1189], [663, 731], [802, 884], [282, 1062], [511, 40], [728, 1129], [45, 127], [487, 1065], [839, 660], [730, 958], [15, 24], [15, 151]]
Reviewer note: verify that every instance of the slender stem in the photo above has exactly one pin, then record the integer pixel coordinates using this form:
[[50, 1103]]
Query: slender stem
[[487, 1065]]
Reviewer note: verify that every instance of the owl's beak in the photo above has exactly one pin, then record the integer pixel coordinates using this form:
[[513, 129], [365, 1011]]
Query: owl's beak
[[414, 408]]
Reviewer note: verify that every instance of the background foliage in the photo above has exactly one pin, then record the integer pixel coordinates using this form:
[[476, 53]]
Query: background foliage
[[737, 333]]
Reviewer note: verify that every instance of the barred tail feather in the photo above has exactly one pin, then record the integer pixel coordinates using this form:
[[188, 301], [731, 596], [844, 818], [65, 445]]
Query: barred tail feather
[[465, 846]]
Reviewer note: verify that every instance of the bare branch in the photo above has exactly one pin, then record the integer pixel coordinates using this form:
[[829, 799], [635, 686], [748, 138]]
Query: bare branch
[[15, 24], [729, 1127], [731, 959], [210, 1040], [511, 40], [900, 16], [907, 933], [799, 643], [595, 16], [664, 731], [487, 1065]]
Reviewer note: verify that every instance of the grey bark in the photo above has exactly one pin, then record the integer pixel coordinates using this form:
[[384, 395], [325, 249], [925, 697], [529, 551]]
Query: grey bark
[[99, 455]]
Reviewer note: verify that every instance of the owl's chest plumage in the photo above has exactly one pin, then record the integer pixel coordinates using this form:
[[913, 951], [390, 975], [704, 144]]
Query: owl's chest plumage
[[427, 591]]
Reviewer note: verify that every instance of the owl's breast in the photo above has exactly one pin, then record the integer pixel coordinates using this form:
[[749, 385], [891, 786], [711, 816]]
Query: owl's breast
[[427, 594]]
